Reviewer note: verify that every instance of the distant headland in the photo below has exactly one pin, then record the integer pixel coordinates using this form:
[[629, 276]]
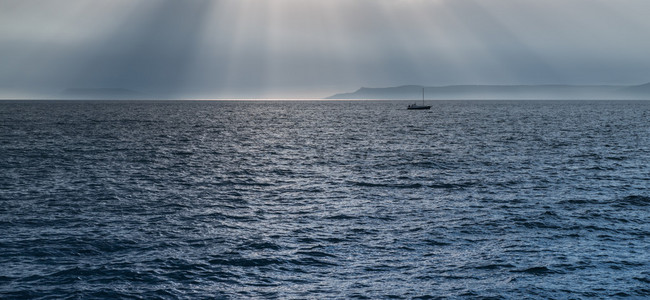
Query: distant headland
[[101, 93], [503, 92]]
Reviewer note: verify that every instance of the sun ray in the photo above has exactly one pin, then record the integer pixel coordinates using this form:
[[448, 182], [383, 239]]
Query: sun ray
[[276, 48]]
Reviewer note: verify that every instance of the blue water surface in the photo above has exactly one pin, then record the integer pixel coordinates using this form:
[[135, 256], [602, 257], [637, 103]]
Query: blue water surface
[[316, 199]]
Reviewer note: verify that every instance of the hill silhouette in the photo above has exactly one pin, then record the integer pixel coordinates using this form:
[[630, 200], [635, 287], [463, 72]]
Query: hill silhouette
[[101, 93], [499, 92]]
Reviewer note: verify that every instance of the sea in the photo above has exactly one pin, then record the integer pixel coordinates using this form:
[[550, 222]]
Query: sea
[[324, 200]]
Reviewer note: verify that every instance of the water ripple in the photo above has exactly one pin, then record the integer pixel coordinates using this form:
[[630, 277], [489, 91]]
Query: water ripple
[[326, 200]]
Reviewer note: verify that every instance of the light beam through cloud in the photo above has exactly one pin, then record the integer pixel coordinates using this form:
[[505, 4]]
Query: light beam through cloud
[[309, 48]]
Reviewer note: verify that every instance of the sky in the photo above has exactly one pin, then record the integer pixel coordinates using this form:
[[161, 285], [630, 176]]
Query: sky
[[215, 49]]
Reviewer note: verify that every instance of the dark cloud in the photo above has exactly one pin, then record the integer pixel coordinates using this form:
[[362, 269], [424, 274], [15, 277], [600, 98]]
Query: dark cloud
[[152, 48], [285, 48]]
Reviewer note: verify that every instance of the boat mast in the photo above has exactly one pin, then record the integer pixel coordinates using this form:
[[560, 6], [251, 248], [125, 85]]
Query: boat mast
[[423, 96]]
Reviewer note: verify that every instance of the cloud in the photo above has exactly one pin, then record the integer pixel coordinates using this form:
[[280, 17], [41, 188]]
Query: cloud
[[310, 48]]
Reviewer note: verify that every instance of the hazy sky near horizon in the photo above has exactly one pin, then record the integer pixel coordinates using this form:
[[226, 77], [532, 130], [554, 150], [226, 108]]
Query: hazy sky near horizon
[[314, 48]]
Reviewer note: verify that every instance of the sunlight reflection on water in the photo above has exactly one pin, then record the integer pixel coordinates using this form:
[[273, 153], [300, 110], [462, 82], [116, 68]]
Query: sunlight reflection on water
[[324, 199]]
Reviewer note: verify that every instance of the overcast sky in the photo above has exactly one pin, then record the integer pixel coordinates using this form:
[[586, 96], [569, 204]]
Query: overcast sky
[[314, 48]]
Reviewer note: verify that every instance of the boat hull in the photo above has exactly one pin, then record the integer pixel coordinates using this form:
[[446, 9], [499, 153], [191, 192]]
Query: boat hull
[[419, 107]]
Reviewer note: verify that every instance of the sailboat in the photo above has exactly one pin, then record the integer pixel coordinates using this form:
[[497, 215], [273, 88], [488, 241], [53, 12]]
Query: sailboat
[[416, 106]]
